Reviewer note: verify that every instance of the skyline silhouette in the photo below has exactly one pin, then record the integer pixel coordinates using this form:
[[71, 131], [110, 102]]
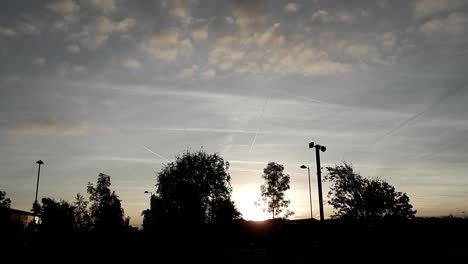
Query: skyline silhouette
[[122, 87]]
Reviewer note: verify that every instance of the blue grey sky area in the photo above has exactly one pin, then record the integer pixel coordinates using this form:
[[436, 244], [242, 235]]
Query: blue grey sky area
[[121, 87]]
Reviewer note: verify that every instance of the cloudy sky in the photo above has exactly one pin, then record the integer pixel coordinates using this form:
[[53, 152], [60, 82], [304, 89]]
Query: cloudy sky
[[120, 87]]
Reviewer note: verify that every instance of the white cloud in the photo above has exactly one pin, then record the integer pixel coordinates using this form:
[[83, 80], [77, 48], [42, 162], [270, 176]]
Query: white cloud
[[7, 32], [67, 69], [272, 53], [291, 8], [209, 74], [50, 127], [190, 72], [94, 35], [168, 45], [428, 7], [250, 14], [180, 9], [131, 64], [40, 61], [326, 17], [455, 23], [382, 3], [102, 5], [73, 49], [27, 28], [389, 41], [200, 34], [64, 7]]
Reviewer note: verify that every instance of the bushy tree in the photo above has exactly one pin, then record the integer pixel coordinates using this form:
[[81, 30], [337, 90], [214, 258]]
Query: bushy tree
[[82, 217], [194, 189], [358, 198], [4, 201], [272, 191], [56, 216], [105, 210]]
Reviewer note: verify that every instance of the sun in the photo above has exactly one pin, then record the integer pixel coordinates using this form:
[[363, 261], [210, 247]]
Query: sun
[[245, 197]]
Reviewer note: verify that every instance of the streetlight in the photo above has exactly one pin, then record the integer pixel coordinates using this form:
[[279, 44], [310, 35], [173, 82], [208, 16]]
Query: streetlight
[[151, 196], [39, 162], [319, 148], [310, 193]]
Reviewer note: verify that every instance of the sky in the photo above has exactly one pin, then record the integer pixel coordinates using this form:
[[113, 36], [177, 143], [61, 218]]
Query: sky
[[121, 87]]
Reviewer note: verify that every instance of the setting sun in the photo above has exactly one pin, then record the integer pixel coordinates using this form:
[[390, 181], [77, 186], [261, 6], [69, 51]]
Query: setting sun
[[245, 198]]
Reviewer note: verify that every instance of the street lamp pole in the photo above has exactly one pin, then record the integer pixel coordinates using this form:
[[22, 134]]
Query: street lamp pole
[[310, 192], [151, 196], [319, 148], [39, 162]]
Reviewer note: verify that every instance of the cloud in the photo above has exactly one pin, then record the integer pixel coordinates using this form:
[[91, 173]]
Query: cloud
[[209, 74], [272, 53], [326, 17], [50, 127], [64, 7], [67, 69], [180, 9], [168, 45], [429, 7], [73, 49], [96, 34], [291, 8], [7, 32], [131, 64], [105, 6], [190, 72], [455, 23], [28, 29], [40, 61], [200, 34], [250, 14], [389, 41]]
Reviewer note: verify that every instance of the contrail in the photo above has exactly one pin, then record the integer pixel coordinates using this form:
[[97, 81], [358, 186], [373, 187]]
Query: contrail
[[429, 107], [253, 141], [258, 128], [158, 155]]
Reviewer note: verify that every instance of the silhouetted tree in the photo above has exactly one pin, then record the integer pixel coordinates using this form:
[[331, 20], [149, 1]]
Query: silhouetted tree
[[82, 217], [105, 210], [4, 201], [194, 189], [272, 191], [56, 216], [358, 198]]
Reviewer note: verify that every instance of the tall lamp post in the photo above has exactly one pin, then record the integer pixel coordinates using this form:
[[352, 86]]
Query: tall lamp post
[[310, 193], [151, 196], [319, 148], [39, 162]]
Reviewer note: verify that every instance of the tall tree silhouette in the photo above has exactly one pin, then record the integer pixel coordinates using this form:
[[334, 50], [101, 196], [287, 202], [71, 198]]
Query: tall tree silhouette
[[358, 198], [272, 191], [194, 189], [105, 209], [56, 216], [82, 217], [4, 201]]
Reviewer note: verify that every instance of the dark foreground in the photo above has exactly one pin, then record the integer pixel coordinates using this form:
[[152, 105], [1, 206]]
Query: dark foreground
[[252, 242]]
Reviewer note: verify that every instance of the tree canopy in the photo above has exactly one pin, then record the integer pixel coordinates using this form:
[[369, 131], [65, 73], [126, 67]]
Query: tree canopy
[[272, 191], [56, 216], [4, 201], [355, 197], [194, 189], [105, 210]]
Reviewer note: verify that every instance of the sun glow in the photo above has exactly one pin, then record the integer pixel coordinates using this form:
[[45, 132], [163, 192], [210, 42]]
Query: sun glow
[[245, 198]]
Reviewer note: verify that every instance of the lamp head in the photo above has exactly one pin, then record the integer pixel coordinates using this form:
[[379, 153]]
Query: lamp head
[[146, 192], [40, 162], [323, 148], [311, 145], [303, 167]]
